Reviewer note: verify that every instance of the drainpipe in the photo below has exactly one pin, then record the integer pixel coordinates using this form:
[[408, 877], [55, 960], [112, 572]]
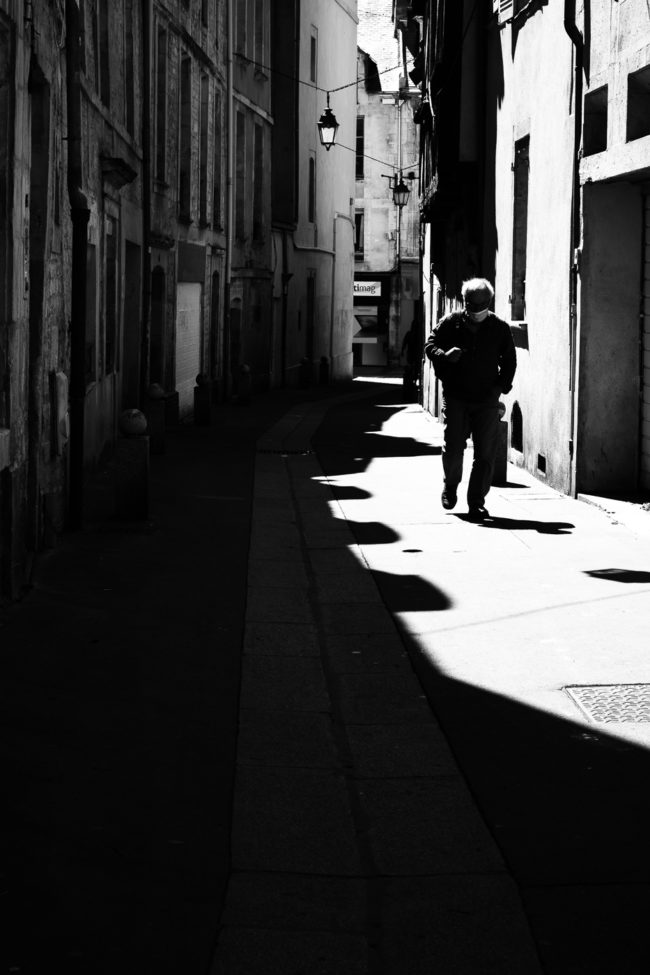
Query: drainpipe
[[146, 199], [576, 213], [80, 214], [230, 149]]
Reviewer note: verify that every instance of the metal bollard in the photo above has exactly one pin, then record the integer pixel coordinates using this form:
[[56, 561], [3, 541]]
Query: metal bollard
[[500, 474], [202, 398], [245, 385], [305, 373], [324, 371]]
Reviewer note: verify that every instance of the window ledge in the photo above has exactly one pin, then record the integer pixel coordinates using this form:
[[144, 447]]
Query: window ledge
[[519, 332]]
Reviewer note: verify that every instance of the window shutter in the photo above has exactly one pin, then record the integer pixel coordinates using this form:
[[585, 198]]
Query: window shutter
[[505, 11]]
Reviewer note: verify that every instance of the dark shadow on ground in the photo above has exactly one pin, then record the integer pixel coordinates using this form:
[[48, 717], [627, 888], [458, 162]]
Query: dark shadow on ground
[[619, 575], [410, 593], [524, 524], [569, 809], [373, 533], [348, 493], [358, 440]]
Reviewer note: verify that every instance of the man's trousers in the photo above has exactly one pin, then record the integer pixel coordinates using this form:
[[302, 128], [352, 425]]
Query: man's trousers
[[481, 421]]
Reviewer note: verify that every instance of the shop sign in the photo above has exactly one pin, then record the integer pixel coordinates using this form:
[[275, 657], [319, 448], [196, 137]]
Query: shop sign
[[367, 289]]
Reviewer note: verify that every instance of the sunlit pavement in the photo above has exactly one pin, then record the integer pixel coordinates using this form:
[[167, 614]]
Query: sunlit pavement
[[420, 786]]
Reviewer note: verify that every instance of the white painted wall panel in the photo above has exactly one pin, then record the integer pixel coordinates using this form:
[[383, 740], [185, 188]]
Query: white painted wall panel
[[188, 343]]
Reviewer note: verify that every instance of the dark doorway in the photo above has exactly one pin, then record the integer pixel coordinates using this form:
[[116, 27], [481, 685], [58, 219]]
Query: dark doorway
[[157, 350], [131, 318]]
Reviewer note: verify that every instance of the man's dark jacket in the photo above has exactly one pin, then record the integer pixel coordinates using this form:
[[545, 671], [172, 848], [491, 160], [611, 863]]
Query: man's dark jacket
[[489, 358]]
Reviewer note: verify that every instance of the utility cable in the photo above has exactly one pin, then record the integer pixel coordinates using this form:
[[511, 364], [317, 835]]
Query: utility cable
[[308, 84]]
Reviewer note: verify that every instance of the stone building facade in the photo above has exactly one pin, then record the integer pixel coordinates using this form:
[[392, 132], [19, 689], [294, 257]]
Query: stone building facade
[[35, 243], [387, 266], [535, 169], [186, 216], [314, 52], [167, 214]]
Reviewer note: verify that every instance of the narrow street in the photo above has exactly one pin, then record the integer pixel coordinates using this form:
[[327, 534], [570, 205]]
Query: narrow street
[[412, 788]]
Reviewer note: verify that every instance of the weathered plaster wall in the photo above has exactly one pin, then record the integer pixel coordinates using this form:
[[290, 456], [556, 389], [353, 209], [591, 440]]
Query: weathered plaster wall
[[322, 248], [536, 102]]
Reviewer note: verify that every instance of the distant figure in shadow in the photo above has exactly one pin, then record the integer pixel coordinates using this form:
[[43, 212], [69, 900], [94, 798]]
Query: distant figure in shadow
[[474, 357], [412, 348]]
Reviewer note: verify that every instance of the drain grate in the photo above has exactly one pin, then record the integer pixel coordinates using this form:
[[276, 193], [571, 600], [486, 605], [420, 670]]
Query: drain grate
[[612, 703]]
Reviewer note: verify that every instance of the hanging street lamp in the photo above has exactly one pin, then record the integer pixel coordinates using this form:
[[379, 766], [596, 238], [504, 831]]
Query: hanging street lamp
[[401, 192], [327, 126]]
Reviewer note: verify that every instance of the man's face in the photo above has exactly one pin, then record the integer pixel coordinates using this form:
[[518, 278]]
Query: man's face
[[476, 302]]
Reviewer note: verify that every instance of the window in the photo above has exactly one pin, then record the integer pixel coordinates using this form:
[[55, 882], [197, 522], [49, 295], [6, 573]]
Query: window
[[520, 228], [360, 146], [638, 104], [104, 80], [311, 190], [258, 183], [157, 353], [111, 303], [161, 103], [259, 31], [129, 80], [91, 313], [204, 12], [7, 110], [240, 177], [203, 151], [240, 27], [595, 122], [507, 9], [185, 142], [358, 235], [313, 55], [82, 34], [311, 314], [216, 175]]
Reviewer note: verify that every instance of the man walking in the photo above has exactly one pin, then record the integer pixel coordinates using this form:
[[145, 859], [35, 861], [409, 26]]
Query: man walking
[[474, 357]]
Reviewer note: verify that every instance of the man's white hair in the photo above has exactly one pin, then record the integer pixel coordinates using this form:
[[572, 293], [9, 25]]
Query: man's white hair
[[477, 286]]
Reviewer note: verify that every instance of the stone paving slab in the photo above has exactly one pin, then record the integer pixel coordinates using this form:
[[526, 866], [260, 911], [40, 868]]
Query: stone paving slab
[[251, 951], [290, 573], [297, 902], [353, 586], [278, 822], [281, 639], [278, 605], [399, 751], [283, 684], [366, 652], [424, 826], [455, 925], [391, 698], [362, 618], [293, 739]]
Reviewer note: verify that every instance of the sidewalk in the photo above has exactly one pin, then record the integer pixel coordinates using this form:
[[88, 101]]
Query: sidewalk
[[412, 787], [451, 809]]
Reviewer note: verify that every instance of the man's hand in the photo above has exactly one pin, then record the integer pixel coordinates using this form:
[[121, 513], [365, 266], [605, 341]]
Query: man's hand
[[453, 354]]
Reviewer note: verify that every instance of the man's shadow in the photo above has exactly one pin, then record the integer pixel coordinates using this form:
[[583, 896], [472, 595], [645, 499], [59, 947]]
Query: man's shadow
[[524, 524]]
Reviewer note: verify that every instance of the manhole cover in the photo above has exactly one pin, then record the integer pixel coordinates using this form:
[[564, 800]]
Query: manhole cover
[[612, 703]]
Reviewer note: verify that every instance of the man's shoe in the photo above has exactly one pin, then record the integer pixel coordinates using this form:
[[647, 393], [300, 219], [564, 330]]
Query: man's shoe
[[478, 514], [448, 499]]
